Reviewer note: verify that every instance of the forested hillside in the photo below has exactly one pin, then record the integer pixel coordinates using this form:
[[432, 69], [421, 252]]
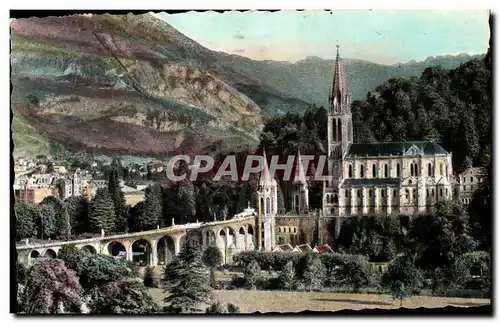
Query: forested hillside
[[452, 107]]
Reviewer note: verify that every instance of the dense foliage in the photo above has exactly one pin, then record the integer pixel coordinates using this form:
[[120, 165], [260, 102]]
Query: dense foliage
[[402, 279], [187, 281], [128, 296], [50, 288]]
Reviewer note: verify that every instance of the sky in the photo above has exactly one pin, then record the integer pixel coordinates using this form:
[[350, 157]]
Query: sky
[[384, 37]]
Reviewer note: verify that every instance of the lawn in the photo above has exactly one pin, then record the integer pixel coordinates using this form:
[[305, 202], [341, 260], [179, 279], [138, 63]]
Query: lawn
[[272, 301]]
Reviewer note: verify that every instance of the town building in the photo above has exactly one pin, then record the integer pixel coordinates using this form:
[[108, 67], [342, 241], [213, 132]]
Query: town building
[[470, 180]]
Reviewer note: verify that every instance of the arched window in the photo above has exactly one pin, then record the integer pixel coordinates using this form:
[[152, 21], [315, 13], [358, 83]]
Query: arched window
[[374, 171], [370, 193], [382, 193], [335, 198], [440, 192], [411, 169], [398, 170], [296, 203], [362, 171], [350, 171], [407, 194], [441, 171], [416, 169], [334, 130], [386, 170], [340, 130], [429, 170]]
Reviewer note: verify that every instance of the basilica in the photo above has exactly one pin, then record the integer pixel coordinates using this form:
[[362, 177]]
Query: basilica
[[364, 178]]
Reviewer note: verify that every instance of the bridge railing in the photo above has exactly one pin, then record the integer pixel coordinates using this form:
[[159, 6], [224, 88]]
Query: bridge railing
[[129, 235]]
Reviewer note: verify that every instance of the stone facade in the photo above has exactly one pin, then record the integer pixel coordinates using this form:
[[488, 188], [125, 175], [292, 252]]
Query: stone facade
[[367, 178]]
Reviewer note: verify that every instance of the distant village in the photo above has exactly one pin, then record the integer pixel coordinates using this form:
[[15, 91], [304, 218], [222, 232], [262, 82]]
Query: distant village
[[39, 177]]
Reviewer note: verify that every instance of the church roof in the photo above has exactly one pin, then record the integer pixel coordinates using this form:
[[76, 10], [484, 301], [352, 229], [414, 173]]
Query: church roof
[[395, 149], [372, 182]]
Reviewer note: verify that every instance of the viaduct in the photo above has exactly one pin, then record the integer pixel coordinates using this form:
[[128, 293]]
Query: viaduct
[[157, 247]]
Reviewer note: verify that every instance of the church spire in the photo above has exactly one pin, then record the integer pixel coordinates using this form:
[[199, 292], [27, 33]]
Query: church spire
[[300, 174], [265, 176], [338, 93]]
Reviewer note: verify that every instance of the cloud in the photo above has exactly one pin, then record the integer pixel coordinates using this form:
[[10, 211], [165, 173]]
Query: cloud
[[239, 50]]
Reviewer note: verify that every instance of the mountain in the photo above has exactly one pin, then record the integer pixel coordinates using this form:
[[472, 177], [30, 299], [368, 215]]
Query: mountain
[[133, 84]]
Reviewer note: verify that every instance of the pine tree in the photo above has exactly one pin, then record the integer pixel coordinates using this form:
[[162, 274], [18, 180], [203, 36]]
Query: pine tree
[[46, 223], [78, 208], [151, 210], [314, 274], [187, 281], [116, 194], [252, 274], [287, 276], [102, 213], [63, 222], [187, 200], [26, 216]]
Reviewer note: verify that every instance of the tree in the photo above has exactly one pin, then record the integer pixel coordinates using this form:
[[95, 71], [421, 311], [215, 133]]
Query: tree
[[21, 273], [151, 209], [402, 279], [47, 221], [314, 274], [51, 288], [220, 308], [63, 225], [374, 245], [120, 214], [212, 257], [388, 250], [26, 216], [356, 274], [97, 270], [287, 276], [71, 256], [187, 281], [252, 274], [127, 296], [102, 213], [78, 211]]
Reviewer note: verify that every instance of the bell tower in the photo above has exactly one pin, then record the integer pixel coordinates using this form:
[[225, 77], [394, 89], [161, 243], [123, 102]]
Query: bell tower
[[340, 135]]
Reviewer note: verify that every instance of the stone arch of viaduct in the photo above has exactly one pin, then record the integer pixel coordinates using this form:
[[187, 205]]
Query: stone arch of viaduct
[[157, 247]]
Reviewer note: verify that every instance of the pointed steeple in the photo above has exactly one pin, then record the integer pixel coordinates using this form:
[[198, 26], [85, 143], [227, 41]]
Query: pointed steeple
[[338, 90], [265, 176], [300, 174]]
